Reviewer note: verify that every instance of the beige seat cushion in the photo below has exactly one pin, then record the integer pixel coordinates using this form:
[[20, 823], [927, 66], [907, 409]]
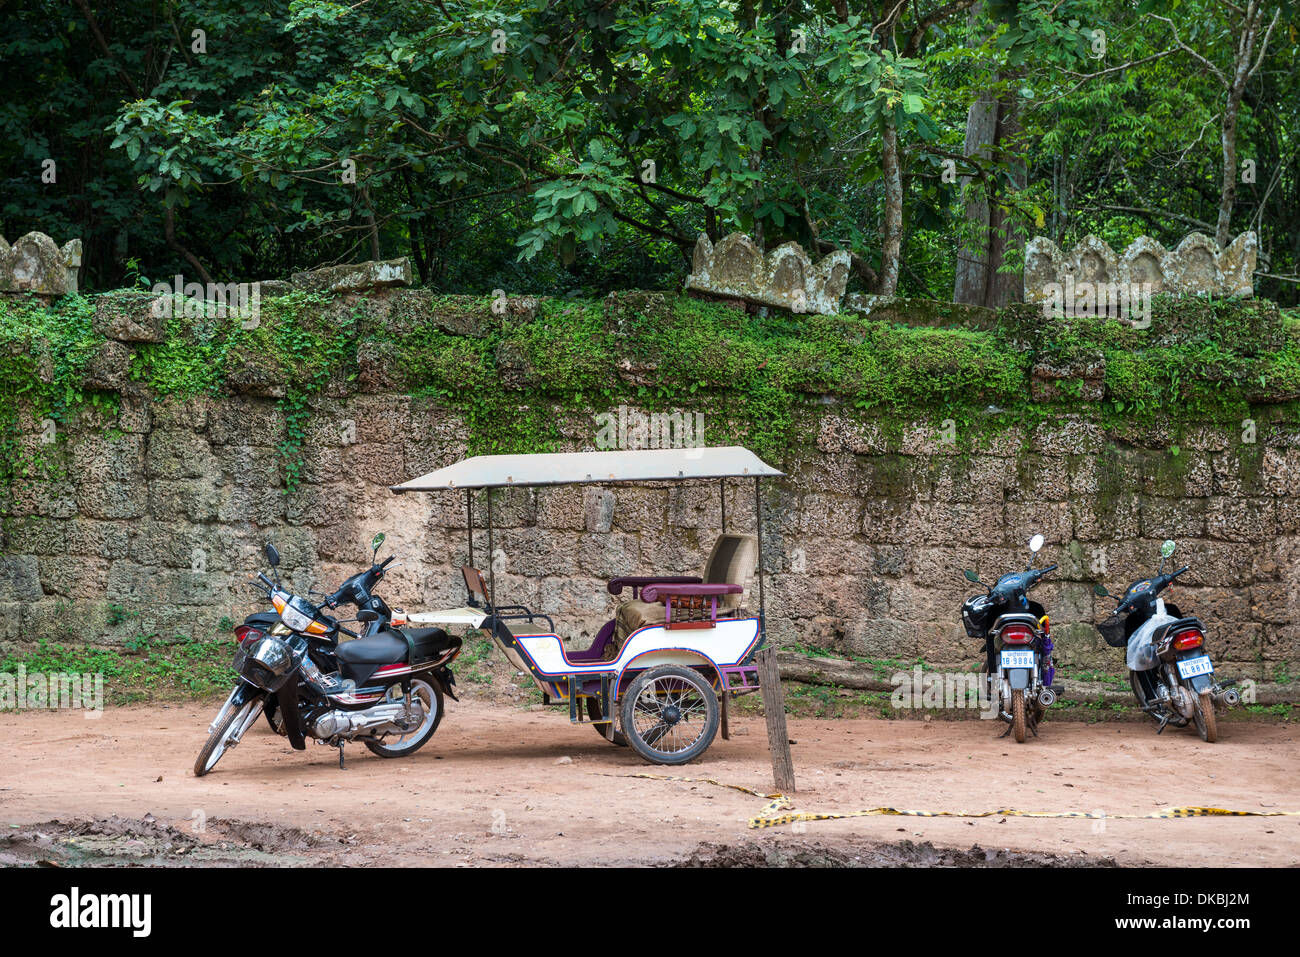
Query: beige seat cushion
[[632, 615], [731, 562]]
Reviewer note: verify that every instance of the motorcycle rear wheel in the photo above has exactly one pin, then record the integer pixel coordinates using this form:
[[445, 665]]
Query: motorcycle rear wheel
[[1207, 724], [1018, 714], [430, 695]]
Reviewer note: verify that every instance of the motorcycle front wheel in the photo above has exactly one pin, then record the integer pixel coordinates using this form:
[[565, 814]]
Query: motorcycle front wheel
[[232, 723]]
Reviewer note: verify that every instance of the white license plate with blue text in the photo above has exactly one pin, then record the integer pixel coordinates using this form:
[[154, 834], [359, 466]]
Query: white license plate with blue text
[[1018, 659], [1194, 667]]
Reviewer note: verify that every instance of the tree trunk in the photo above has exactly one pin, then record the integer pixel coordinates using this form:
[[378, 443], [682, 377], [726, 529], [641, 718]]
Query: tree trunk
[[970, 285], [1228, 194], [892, 228], [977, 282]]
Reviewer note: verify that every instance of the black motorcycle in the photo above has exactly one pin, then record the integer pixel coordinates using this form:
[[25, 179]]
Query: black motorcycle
[[384, 688], [1017, 645], [1170, 673]]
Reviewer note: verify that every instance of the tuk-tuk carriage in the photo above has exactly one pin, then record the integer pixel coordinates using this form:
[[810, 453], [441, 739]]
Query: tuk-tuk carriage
[[656, 675]]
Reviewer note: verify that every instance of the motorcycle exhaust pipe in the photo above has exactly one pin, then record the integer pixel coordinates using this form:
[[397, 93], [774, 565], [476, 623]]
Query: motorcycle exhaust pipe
[[1229, 697], [1047, 697]]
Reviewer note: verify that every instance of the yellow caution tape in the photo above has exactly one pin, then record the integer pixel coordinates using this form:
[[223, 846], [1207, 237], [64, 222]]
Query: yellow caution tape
[[767, 817]]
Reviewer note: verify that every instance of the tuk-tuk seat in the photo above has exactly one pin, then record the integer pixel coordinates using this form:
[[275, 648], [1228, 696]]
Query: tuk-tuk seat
[[719, 588]]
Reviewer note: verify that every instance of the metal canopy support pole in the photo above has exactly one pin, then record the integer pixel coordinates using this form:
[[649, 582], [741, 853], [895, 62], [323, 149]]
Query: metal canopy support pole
[[758, 524], [492, 575], [722, 489], [469, 522]]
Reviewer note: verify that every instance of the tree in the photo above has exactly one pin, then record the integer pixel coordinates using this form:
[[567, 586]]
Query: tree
[[1248, 29]]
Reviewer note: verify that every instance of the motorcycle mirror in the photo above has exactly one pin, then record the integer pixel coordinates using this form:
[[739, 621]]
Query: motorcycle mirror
[[376, 542], [367, 615], [272, 556], [972, 577], [1167, 548], [1100, 591], [1036, 543]]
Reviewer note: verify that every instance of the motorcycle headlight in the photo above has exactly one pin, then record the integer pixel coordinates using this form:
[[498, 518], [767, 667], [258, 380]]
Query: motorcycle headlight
[[294, 618]]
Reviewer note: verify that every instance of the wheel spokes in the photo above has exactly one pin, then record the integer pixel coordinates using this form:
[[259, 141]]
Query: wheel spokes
[[650, 713]]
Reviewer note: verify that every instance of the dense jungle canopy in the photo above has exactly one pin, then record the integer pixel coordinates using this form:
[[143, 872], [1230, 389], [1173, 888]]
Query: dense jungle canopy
[[572, 147]]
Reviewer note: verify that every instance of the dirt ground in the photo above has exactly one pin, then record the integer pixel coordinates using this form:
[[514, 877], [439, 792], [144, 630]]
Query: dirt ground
[[502, 785]]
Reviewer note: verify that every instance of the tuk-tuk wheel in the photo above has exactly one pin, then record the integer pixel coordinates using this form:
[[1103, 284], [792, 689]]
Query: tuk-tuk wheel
[[670, 714], [593, 713]]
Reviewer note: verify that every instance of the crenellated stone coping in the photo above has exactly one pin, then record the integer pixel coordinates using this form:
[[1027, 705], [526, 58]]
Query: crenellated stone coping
[[36, 264], [786, 277], [1195, 267]]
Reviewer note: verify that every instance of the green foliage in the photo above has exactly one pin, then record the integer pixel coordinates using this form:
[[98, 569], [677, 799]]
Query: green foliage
[[480, 132], [757, 380], [298, 339], [192, 359], [43, 358]]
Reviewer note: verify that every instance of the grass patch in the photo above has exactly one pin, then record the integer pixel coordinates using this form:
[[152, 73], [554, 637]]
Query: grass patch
[[149, 669]]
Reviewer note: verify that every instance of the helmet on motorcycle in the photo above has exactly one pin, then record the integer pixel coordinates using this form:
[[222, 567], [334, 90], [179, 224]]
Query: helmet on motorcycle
[[976, 614]]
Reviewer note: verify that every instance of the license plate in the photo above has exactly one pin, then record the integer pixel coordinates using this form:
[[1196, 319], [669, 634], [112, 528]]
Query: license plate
[[1193, 667], [1018, 659]]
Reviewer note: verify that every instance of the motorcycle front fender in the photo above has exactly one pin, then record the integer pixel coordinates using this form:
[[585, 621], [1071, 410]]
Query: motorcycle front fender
[[239, 695], [286, 702]]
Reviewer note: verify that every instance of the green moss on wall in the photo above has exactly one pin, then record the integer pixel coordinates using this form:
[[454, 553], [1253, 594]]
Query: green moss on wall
[[757, 379]]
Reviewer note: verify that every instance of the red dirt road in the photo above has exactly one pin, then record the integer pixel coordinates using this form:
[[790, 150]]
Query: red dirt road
[[492, 788]]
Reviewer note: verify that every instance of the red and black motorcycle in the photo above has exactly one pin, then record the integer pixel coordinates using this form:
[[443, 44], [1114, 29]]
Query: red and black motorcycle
[[297, 665]]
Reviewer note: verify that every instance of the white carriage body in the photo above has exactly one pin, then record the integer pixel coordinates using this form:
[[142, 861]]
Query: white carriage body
[[730, 644]]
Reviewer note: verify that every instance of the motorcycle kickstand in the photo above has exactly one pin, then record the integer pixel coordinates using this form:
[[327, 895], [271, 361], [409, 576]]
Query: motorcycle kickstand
[[340, 747]]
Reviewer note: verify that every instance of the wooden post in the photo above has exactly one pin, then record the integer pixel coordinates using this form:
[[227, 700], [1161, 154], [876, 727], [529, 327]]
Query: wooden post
[[778, 738], [726, 707]]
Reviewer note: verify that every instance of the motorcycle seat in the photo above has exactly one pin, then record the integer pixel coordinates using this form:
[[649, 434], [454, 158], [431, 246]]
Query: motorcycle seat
[[429, 642], [385, 648]]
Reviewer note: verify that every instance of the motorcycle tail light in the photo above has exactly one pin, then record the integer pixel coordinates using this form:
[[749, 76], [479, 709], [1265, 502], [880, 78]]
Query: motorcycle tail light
[[245, 633], [1188, 639], [1017, 635]]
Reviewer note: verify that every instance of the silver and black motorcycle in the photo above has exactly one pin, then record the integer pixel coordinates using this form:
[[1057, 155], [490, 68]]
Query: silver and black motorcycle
[[1017, 645], [1171, 674], [384, 688]]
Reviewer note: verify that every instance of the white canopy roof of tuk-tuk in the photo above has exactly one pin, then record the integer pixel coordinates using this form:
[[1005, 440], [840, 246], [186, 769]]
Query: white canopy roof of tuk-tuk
[[576, 468]]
